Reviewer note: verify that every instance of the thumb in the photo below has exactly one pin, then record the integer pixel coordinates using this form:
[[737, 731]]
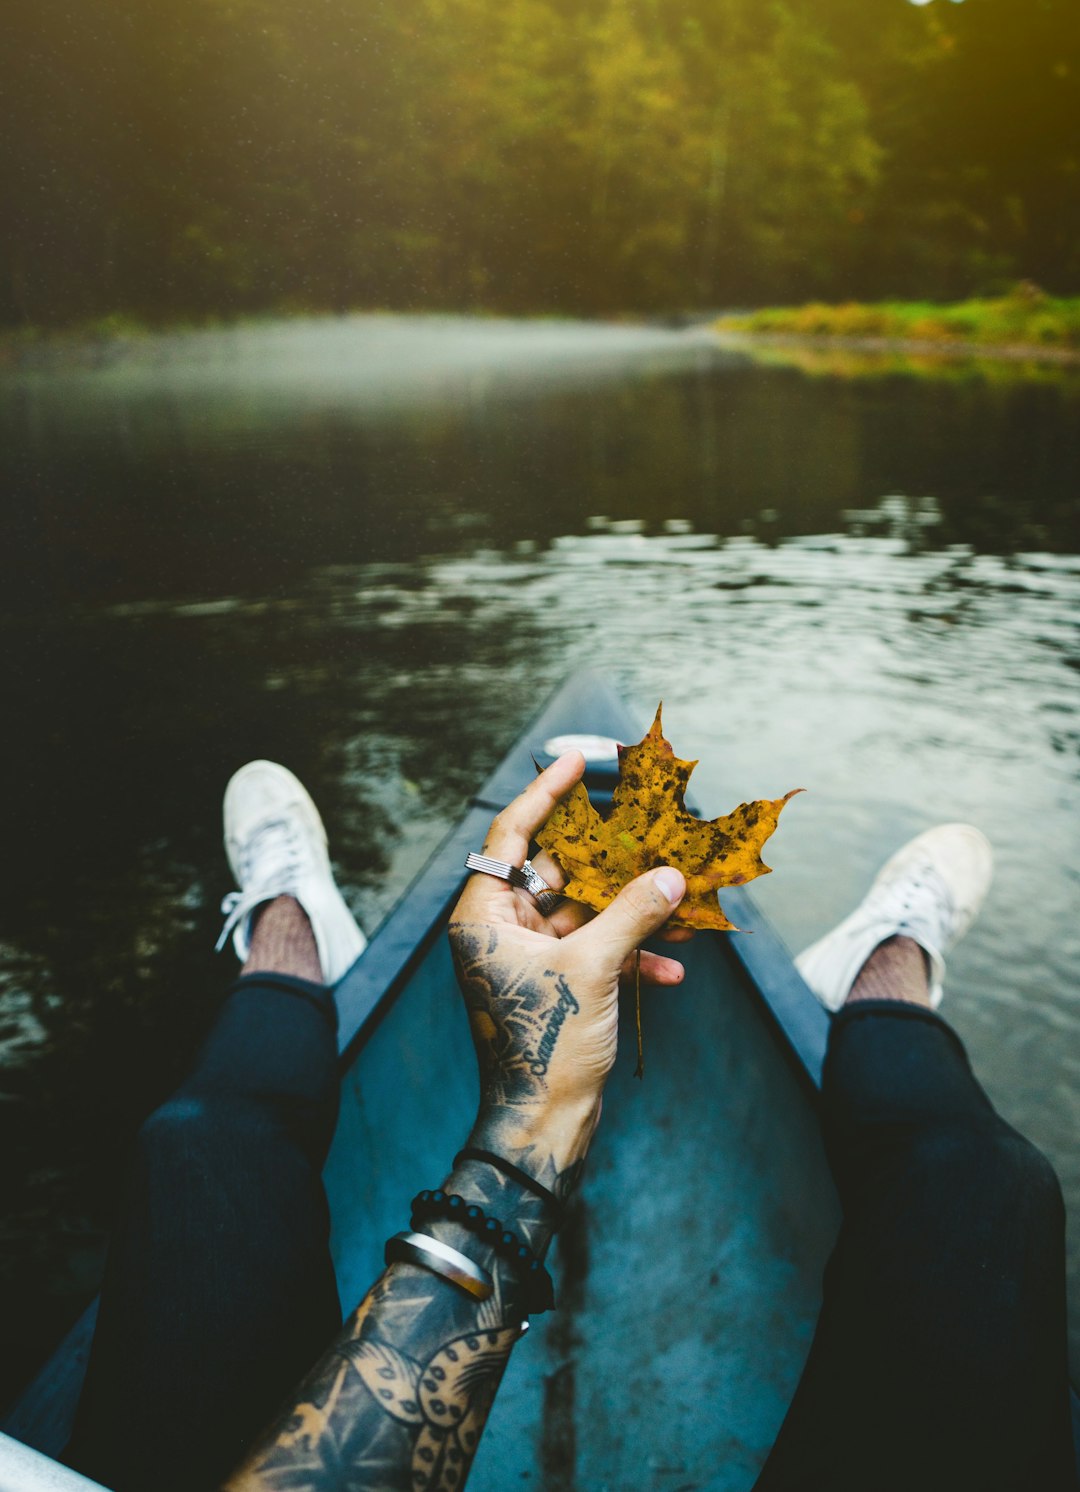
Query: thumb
[[638, 910]]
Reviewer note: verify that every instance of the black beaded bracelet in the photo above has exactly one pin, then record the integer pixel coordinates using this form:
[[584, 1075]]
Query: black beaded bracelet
[[539, 1290]]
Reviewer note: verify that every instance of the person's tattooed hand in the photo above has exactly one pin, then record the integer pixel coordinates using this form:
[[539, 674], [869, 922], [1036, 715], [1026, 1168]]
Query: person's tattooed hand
[[400, 1400], [542, 993]]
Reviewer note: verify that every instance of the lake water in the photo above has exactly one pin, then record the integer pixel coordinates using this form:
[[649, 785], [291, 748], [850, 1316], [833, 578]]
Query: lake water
[[369, 546]]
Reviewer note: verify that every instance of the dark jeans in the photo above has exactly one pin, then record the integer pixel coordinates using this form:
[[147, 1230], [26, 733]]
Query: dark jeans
[[939, 1359], [219, 1292]]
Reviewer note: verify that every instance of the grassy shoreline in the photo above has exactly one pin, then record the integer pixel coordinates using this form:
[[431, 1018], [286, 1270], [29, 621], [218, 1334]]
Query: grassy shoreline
[[1025, 325], [1024, 330]]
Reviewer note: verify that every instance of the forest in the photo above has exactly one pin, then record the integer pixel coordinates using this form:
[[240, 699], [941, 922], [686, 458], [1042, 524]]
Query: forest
[[189, 159]]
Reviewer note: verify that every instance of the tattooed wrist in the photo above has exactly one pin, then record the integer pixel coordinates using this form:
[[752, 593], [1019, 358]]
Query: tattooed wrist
[[518, 1209], [550, 1145], [400, 1400]]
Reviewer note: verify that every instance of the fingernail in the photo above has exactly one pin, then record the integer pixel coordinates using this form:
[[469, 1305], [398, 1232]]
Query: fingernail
[[671, 883]]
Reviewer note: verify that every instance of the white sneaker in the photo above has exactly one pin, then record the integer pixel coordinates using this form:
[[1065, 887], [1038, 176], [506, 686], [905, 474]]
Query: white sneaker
[[930, 890], [276, 845]]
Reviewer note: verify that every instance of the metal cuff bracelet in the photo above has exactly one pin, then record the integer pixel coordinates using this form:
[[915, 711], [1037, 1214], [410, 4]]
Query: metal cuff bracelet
[[431, 1253], [536, 1282]]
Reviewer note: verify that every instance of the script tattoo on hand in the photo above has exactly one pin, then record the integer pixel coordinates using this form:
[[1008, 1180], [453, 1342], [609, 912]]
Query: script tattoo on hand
[[399, 1402], [518, 1009]]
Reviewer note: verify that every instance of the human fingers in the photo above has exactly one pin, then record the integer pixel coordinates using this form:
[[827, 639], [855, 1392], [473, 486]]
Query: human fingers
[[570, 915], [640, 908], [512, 829], [655, 969], [488, 897], [546, 866]]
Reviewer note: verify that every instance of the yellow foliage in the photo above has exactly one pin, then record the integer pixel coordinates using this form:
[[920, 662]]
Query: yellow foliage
[[649, 825]]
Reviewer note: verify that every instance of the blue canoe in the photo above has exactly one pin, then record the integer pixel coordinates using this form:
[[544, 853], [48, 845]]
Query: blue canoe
[[681, 1330]]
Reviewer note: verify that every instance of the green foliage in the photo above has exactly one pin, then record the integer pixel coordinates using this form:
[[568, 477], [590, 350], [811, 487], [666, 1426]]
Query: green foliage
[[192, 157], [1027, 317]]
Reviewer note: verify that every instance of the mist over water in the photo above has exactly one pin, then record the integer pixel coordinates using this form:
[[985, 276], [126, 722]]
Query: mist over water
[[368, 547]]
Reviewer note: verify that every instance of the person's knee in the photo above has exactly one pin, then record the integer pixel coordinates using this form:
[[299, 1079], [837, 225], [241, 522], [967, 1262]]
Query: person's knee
[[1032, 1184], [995, 1167], [179, 1128]]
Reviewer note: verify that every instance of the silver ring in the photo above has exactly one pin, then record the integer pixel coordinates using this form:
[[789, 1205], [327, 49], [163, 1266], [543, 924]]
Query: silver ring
[[527, 879], [440, 1258]]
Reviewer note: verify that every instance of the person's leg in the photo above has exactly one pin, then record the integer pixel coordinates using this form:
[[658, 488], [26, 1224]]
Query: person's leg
[[220, 1291], [939, 1361]]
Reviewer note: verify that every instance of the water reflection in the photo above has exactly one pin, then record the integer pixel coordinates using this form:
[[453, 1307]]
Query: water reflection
[[369, 549], [223, 465]]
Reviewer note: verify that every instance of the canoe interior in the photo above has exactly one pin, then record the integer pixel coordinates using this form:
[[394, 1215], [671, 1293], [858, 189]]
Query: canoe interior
[[688, 1275], [689, 1272]]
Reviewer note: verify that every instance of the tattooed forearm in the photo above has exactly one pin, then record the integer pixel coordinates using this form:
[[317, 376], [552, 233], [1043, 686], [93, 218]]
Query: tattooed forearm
[[400, 1400]]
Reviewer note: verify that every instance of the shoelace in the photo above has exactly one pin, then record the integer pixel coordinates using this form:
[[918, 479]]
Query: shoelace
[[925, 899], [274, 849]]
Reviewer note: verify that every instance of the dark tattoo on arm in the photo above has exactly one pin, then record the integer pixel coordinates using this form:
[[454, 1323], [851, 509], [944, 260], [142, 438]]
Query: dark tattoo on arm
[[399, 1401]]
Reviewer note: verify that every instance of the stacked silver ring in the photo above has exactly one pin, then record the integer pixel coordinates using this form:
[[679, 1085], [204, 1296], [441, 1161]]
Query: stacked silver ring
[[526, 878]]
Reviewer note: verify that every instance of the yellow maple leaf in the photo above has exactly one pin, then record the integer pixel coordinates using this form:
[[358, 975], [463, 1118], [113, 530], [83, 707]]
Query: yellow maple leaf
[[649, 825]]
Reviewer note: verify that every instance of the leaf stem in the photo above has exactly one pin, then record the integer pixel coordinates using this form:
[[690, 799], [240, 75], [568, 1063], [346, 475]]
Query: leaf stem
[[639, 1070]]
